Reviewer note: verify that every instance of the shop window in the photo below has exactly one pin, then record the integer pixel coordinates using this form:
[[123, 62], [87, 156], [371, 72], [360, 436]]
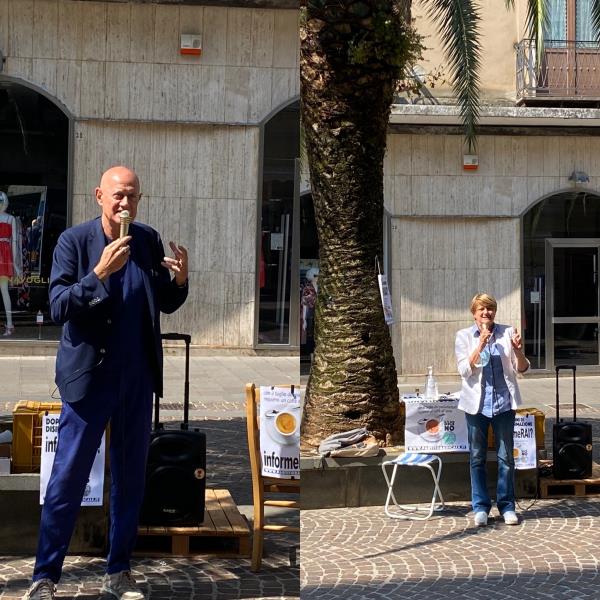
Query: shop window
[[33, 178]]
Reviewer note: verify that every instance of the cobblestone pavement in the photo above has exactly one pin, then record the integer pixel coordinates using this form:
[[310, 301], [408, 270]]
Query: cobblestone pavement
[[345, 553], [360, 553], [217, 408], [168, 578]]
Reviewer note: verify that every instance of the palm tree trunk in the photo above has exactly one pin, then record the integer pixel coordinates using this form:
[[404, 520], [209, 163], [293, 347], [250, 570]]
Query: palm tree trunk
[[348, 72]]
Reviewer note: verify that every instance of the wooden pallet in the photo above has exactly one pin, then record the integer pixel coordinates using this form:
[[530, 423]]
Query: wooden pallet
[[559, 488], [223, 533]]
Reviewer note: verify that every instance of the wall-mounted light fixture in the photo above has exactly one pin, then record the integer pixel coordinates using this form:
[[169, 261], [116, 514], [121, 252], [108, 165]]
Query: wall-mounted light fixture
[[579, 177]]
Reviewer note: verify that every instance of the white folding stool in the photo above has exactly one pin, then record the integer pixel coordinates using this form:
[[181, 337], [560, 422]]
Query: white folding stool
[[412, 459]]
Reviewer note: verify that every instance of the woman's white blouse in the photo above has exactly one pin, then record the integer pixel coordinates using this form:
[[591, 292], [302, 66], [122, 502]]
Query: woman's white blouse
[[465, 344]]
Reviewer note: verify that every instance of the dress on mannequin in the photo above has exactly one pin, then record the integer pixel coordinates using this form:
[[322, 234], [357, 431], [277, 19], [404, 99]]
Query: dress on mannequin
[[10, 257]]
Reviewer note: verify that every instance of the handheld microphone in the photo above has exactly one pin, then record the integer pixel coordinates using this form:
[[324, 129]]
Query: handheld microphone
[[125, 220], [484, 355], [485, 327]]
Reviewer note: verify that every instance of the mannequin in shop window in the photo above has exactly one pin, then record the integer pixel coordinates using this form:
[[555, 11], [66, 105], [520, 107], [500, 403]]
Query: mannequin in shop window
[[10, 258], [309, 300]]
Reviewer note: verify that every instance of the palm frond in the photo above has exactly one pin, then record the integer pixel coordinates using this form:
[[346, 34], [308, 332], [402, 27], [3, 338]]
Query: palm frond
[[536, 23], [458, 26]]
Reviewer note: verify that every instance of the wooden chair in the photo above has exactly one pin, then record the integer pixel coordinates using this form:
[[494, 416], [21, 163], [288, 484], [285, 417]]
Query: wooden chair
[[264, 485]]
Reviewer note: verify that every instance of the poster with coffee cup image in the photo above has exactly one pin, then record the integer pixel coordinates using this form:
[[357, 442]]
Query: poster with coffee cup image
[[280, 416]]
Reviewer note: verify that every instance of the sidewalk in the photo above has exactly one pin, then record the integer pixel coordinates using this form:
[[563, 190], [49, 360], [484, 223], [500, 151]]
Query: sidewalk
[[217, 406], [539, 392]]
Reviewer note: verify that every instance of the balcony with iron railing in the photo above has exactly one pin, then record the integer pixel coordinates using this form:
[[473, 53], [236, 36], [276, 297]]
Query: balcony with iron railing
[[568, 72]]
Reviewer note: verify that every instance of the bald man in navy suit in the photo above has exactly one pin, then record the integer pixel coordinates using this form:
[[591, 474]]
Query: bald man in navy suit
[[108, 293]]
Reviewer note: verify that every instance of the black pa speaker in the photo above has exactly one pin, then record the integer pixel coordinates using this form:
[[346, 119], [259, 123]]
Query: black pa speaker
[[571, 441], [175, 479], [176, 470], [572, 450]]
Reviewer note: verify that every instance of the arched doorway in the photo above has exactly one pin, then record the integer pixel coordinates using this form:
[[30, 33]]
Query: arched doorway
[[34, 171], [561, 243]]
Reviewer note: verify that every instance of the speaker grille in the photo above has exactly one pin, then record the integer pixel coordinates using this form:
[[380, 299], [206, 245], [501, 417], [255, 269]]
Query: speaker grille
[[175, 492], [572, 450]]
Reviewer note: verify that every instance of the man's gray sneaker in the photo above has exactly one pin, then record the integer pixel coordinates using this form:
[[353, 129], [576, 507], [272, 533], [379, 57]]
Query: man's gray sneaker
[[42, 589], [123, 586]]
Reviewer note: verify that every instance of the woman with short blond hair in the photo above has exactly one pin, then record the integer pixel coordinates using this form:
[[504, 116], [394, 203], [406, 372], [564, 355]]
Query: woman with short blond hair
[[489, 356]]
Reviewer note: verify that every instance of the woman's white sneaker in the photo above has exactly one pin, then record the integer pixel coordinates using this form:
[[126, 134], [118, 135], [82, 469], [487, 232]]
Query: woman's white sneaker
[[481, 518]]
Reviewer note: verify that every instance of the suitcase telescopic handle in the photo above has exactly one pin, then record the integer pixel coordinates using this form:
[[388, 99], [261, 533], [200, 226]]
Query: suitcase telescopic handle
[[569, 368], [187, 338]]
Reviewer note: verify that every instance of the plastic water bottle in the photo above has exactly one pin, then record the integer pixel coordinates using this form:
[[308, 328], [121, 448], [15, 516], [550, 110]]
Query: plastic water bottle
[[431, 386]]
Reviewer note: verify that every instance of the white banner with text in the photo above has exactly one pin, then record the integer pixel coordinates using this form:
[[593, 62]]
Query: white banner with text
[[93, 493], [435, 426]]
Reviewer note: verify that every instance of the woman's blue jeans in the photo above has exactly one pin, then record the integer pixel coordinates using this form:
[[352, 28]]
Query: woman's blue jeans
[[503, 426]]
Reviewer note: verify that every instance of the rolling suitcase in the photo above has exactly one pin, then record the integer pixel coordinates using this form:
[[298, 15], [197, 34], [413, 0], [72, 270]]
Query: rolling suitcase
[[571, 441], [176, 470]]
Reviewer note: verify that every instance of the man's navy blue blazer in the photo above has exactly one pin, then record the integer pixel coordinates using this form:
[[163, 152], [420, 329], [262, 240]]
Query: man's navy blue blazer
[[81, 302]]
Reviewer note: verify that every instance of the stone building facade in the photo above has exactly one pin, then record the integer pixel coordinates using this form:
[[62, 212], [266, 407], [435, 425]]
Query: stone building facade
[[191, 126], [525, 224]]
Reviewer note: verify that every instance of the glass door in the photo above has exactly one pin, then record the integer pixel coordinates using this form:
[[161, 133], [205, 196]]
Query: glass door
[[275, 270], [573, 297], [278, 239]]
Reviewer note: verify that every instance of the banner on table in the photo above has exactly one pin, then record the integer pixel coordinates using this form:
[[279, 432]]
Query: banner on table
[[435, 426], [280, 416]]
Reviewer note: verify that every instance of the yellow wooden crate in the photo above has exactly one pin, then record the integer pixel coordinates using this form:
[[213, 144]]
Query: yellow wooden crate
[[540, 427], [27, 434]]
